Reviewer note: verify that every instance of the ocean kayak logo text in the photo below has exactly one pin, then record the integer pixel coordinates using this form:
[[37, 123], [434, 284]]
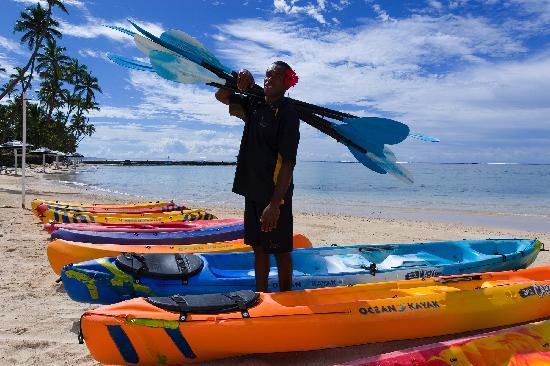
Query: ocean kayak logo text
[[423, 273], [535, 290], [410, 306]]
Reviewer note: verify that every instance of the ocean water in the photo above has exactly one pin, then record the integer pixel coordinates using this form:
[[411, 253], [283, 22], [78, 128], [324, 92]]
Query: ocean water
[[498, 195]]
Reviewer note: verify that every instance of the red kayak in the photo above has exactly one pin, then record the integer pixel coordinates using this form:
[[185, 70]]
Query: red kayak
[[130, 210], [152, 227], [521, 345]]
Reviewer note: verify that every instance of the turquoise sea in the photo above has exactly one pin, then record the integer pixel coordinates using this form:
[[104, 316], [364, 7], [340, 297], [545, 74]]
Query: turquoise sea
[[499, 195]]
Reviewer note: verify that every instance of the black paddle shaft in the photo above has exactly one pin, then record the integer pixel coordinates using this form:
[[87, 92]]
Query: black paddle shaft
[[231, 81], [305, 115]]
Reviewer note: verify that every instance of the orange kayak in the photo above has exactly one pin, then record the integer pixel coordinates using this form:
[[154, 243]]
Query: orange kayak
[[63, 252], [527, 344], [185, 329]]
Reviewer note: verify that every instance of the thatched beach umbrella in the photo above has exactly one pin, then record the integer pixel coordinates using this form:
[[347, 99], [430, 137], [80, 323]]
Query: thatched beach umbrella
[[15, 145], [43, 151], [57, 155], [75, 158]]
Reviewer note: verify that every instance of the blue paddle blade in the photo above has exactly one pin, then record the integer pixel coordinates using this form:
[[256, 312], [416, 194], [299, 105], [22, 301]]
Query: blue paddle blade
[[191, 53], [175, 68], [192, 47], [120, 29], [383, 163], [423, 137], [381, 130], [130, 63], [363, 159]]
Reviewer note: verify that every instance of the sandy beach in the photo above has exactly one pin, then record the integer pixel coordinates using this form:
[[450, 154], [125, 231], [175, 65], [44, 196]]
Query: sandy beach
[[39, 323]]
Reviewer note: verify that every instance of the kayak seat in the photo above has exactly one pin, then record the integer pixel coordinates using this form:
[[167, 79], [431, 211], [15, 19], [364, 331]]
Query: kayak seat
[[345, 263], [207, 303], [160, 265], [407, 260]]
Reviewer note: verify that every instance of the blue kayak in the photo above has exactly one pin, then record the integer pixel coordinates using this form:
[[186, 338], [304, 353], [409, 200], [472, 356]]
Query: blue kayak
[[199, 236], [113, 279]]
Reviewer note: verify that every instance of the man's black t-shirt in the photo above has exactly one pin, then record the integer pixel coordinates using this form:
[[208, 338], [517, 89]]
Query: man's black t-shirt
[[271, 135]]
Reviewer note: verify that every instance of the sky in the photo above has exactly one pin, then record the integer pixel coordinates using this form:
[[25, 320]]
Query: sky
[[475, 74]]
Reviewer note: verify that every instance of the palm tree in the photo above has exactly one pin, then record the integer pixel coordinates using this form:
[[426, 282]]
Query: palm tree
[[74, 74], [52, 60], [14, 78], [51, 67], [89, 87], [51, 93], [38, 25], [85, 93]]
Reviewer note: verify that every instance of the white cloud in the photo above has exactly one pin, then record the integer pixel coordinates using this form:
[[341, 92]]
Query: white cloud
[[378, 55], [11, 46], [7, 48], [382, 14], [87, 52], [141, 141], [95, 27], [170, 101], [477, 101], [314, 11], [43, 3], [435, 4], [7, 64], [468, 80], [340, 5]]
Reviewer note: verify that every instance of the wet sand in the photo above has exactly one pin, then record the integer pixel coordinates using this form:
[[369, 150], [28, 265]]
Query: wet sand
[[39, 323]]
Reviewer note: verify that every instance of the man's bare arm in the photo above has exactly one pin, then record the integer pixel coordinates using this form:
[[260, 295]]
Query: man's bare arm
[[270, 215], [244, 81], [283, 181], [223, 95]]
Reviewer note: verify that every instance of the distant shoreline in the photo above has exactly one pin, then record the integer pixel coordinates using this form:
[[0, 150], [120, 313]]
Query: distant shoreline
[[156, 162], [96, 161]]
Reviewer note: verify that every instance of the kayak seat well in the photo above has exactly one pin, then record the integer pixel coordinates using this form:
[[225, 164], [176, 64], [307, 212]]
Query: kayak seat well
[[237, 265], [208, 303], [161, 265], [421, 259], [500, 247]]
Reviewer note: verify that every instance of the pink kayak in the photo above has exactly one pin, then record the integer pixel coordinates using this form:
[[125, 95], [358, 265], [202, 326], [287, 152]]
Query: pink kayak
[[130, 210], [153, 227], [522, 345]]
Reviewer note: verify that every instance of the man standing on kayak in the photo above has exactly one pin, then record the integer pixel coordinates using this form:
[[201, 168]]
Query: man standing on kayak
[[265, 164]]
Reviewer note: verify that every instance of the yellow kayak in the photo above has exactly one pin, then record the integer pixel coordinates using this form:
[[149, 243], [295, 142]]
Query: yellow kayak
[[35, 203], [116, 218]]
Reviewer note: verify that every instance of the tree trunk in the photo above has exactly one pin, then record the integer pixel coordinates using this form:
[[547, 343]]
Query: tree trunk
[[12, 84]]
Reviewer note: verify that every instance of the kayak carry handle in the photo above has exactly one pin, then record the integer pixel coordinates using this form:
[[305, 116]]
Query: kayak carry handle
[[448, 279]]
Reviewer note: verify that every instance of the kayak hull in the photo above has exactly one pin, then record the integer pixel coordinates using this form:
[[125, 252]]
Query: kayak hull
[[35, 203], [137, 331], [197, 236], [83, 217], [511, 346], [122, 210], [105, 281], [142, 228], [61, 252]]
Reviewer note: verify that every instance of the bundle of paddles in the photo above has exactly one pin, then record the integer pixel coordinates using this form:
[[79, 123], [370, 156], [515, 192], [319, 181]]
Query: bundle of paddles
[[178, 287]]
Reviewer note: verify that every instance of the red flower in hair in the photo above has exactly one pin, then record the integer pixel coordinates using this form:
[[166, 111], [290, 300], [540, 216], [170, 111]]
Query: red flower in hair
[[291, 78]]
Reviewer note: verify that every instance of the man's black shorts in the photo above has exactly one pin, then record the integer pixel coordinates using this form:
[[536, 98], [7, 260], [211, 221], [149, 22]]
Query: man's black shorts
[[278, 240]]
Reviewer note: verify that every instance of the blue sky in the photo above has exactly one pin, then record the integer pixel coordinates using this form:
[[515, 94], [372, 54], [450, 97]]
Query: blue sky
[[474, 73]]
